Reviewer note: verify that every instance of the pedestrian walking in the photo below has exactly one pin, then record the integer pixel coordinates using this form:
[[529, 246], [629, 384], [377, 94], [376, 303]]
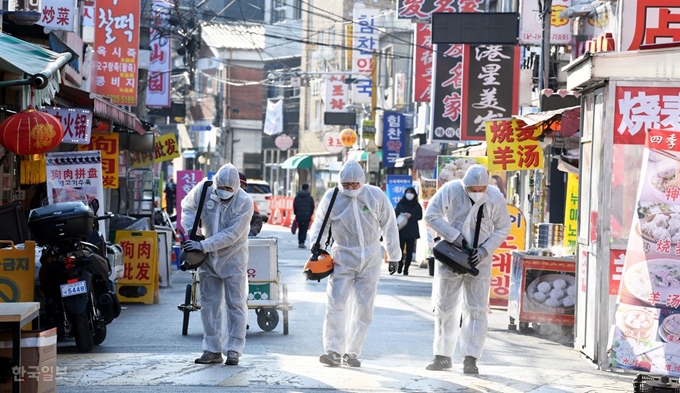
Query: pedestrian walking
[[170, 195], [225, 223], [453, 213], [256, 219], [360, 214], [409, 206], [303, 208]]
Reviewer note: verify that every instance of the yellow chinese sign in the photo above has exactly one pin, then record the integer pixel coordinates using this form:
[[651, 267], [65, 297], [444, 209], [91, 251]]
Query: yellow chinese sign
[[513, 147], [571, 214], [140, 260], [502, 258], [166, 149], [108, 145]]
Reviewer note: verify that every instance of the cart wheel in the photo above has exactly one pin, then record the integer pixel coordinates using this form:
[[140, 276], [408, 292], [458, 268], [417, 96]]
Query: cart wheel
[[187, 310], [267, 319], [537, 328], [523, 327], [512, 327], [285, 321]]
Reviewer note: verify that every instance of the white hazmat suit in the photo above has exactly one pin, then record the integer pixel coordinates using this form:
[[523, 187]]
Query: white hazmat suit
[[356, 225], [451, 213], [225, 225]]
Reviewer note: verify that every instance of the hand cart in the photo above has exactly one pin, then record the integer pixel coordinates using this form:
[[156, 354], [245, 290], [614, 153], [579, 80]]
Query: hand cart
[[265, 294]]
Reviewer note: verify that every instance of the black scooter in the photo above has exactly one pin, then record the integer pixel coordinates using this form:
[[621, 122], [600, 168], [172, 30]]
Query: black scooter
[[80, 299]]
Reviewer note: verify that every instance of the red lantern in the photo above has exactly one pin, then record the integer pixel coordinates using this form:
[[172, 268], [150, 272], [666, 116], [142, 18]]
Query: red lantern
[[31, 132]]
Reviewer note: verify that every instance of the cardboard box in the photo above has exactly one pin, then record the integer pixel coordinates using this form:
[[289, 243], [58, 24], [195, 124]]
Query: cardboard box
[[38, 378], [36, 346]]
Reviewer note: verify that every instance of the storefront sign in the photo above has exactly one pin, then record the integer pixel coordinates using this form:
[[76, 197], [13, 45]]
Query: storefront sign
[[396, 186], [186, 180], [332, 142], [394, 128], [107, 144], [511, 146], [140, 260], [646, 336], [117, 47], [424, 59], [423, 9], [531, 23], [336, 94], [77, 123], [158, 85], [447, 100], [58, 14], [638, 109], [74, 176], [648, 22], [490, 85], [454, 167], [365, 39], [571, 215], [283, 142], [502, 258], [165, 150]]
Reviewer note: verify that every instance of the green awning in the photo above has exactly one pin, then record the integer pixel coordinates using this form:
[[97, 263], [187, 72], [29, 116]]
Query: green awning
[[298, 162], [362, 155]]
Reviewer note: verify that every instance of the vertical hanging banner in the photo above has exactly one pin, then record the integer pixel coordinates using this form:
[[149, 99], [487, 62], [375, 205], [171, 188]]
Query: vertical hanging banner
[[336, 94], [74, 176], [59, 14], [571, 215], [365, 39], [116, 43], [158, 84], [491, 83], [273, 119], [395, 187], [77, 123], [424, 61], [107, 144], [502, 258], [447, 100], [394, 128], [646, 334], [512, 146], [186, 180]]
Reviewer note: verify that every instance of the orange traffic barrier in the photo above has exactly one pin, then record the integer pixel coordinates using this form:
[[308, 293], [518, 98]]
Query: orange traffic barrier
[[287, 211], [277, 213]]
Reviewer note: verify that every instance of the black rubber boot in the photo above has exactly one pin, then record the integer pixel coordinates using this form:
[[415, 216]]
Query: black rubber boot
[[470, 365]]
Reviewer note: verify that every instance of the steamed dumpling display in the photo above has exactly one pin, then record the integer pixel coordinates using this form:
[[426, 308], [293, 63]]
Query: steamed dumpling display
[[568, 301], [540, 297], [571, 291], [551, 302], [544, 287], [557, 294], [559, 284]]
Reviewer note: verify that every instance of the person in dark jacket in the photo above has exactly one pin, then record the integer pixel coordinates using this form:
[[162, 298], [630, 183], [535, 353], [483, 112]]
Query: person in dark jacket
[[170, 194], [256, 220], [303, 208], [408, 234]]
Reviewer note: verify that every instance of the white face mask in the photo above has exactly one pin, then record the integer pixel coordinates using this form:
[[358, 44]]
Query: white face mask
[[410, 196], [475, 196], [224, 194], [351, 193]]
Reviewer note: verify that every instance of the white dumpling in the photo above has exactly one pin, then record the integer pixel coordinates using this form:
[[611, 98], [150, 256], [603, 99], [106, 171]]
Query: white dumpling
[[559, 284], [552, 302], [544, 287], [571, 291], [557, 294], [540, 297], [568, 301]]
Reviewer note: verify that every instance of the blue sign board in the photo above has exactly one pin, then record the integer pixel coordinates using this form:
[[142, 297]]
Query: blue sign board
[[394, 128], [396, 186]]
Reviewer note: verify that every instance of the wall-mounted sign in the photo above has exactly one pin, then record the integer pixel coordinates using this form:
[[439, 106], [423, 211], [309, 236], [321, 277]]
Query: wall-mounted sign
[[332, 142], [77, 123]]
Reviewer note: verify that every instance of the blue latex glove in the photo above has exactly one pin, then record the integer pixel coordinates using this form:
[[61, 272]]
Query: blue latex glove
[[477, 255], [192, 245]]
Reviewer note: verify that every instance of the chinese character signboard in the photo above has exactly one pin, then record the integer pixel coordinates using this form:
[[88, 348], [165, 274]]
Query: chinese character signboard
[[424, 59], [336, 94], [165, 150], [531, 23], [365, 42], [139, 283], [638, 109], [648, 22], [77, 123], [394, 128], [423, 9], [108, 145], [74, 176], [396, 186], [186, 180], [502, 258], [447, 100], [491, 83], [645, 335], [58, 14], [158, 84], [116, 43], [571, 215], [513, 146]]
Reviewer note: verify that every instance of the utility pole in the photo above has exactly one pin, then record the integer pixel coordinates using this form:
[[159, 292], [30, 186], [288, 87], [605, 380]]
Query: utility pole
[[544, 61]]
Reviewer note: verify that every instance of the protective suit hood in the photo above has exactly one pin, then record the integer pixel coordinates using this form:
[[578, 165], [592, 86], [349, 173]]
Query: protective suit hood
[[352, 172], [227, 176], [476, 175]]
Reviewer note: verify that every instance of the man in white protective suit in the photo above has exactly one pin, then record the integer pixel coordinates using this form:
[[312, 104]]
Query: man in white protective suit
[[360, 215], [225, 222], [452, 213]]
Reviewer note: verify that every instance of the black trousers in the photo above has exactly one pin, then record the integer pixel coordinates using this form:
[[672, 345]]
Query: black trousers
[[302, 231], [407, 251], [170, 206]]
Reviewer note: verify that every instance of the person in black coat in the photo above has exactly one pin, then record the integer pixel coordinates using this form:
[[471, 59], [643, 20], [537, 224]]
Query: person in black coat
[[408, 234], [303, 208]]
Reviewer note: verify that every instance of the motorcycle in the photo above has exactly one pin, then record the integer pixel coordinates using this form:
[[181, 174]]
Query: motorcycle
[[80, 299]]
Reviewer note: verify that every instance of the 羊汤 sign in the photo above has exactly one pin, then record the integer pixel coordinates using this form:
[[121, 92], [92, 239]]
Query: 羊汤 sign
[[512, 146]]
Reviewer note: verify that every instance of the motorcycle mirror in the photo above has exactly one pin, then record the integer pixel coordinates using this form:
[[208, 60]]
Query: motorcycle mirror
[[94, 205]]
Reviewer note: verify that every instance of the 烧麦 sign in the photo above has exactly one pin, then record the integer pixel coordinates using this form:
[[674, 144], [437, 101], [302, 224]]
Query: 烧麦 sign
[[512, 146]]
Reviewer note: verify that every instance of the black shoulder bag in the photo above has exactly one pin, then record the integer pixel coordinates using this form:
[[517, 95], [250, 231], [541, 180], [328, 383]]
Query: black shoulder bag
[[193, 259], [456, 258]]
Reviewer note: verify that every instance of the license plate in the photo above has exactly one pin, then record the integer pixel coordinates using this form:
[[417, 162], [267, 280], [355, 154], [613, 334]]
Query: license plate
[[77, 288]]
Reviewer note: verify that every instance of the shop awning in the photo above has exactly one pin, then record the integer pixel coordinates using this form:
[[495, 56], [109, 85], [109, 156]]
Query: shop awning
[[404, 162], [361, 155], [563, 122], [298, 162]]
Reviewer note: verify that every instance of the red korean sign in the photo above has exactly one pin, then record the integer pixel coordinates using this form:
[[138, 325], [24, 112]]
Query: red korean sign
[[424, 59], [336, 94], [648, 22], [116, 43], [511, 146], [77, 123], [108, 145], [638, 109], [423, 9]]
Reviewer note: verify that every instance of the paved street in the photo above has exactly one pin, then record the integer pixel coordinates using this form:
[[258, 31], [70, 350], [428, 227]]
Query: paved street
[[145, 351]]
